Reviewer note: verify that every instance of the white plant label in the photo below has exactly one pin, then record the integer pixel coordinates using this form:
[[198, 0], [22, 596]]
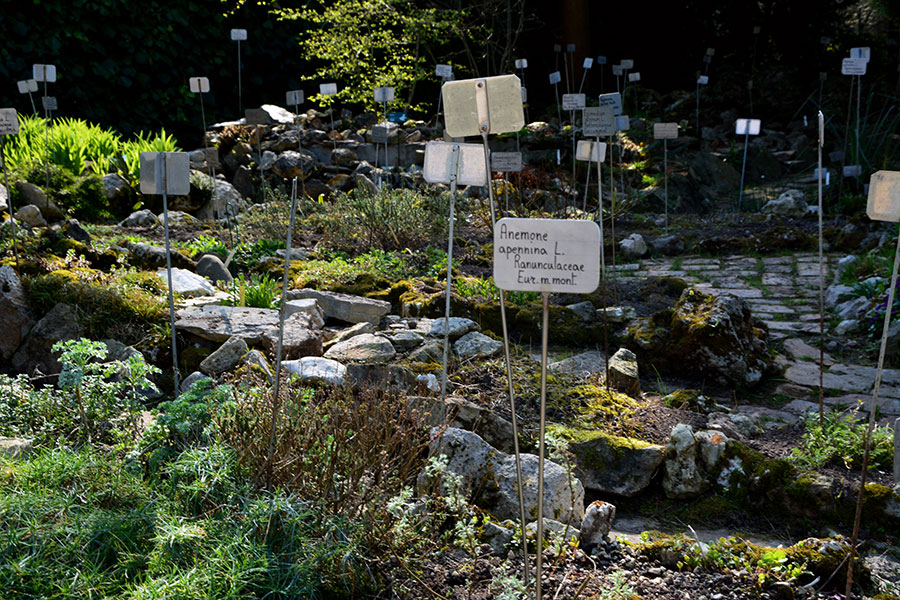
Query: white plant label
[[613, 100], [623, 123], [9, 121], [555, 77], [441, 163], [177, 180], [524, 95], [384, 94], [506, 162], [632, 77], [547, 255], [617, 70], [864, 53], [381, 133], [44, 73], [570, 48], [627, 64], [710, 51], [601, 60], [703, 80], [884, 196], [486, 105], [294, 97], [854, 66], [586, 150], [443, 71], [49, 103], [573, 101], [665, 131], [599, 121], [199, 85], [328, 89], [256, 116], [27, 85], [588, 63], [852, 170], [747, 126], [238, 35], [521, 63], [557, 48]]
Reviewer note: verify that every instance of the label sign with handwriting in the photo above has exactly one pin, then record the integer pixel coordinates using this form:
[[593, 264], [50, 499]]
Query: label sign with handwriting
[[613, 100], [547, 255], [854, 66], [294, 97], [44, 73], [199, 85], [586, 150], [572, 101], [884, 196], [238, 35], [443, 71], [506, 162], [599, 121], [747, 126], [384, 94], [555, 77], [665, 131], [328, 89], [9, 122]]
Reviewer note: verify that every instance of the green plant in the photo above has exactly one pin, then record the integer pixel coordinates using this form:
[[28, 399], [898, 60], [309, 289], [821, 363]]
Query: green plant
[[206, 243], [143, 142], [618, 589], [260, 291], [840, 441]]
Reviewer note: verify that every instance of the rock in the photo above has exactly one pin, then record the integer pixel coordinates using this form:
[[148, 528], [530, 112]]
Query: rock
[[296, 253], [140, 218], [349, 332], [225, 194], [218, 323], [633, 246], [186, 283], [381, 377], [838, 294], [4, 198], [846, 326], [278, 114], [623, 373], [585, 310], [73, 230], [60, 324], [290, 164], [365, 185], [308, 307], [32, 194], [476, 345], [31, 216], [405, 339], [345, 307], [668, 245], [15, 320], [712, 446], [149, 256], [21, 448], [430, 351], [461, 413], [613, 465], [225, 357], [683, 478], [597, 522], [853, 309], [366, 347], [302, 336], [714, 178], [243, 182], [581, 365], [342, 182], [344, 157], [617, 314], [268, 159], [114, 187], [459, 326], [314, 369], [491, 475], [800, 350], [497, 537], [212, 268], [189, 381], [179, 218], [843, 266], [552, 529], [705, 336], [790, 205]]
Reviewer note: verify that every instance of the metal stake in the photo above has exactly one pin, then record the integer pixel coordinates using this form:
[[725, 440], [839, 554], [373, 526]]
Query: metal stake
[[545, 298], [666, 180], [558, 111], [600, 212], [161, 164], [212, 169], [743, 167], [12, 220], [240, 99], [262, 177], [858, 98], [454, 170], [46, 133], [821, 283], [33, 107]]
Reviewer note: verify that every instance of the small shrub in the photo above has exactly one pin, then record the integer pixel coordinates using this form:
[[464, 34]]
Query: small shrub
[[841, 440], [261, 291]]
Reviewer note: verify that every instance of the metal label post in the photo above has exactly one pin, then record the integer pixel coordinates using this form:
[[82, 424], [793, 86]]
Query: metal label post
[[9, 125], [665, 132], [239, 35], [745, 127]]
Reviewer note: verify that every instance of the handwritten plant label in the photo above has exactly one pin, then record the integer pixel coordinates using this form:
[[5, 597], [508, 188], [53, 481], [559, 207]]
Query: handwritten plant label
[[49, 103], [506, 162], [446, 160], [852, 170], [27, 85], [44, 73], [599, 121], [384, 94], [238, 35], [443, 71], [547, 255], [601, 60], [555, 77], [623, 123], [573, 101], [884, 196], [632, 77], [613, 100], [328, 89], [665, 131], [485, 105], [199, 85], [9, 121], [617, 70], [588, 63], [570, 48], [702, 80], [864, 53], [854, 66], [165, 173], [586, 150], [294, 97], [627, 64], [747, 126], [521, 63]]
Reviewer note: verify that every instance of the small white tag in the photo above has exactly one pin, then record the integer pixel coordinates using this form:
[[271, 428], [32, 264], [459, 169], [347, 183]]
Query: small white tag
[[588, 63], [570, 48], [623, 123], [665, 131], [627, 64], [49, 103], [586, 150], [852, 170], [864, 53], [617, 70], [238, 35], [384, 94], [613, 100], [632, 77], [9, 121], [601, 60], [703, 80], [44, 73], [884, 196], [555, 78], [443, 71], [598, 121], [294, 97], [199, 85], [854, 66], [328, 89], [521, 63], [572, 101], [506, 162], [747, 126]]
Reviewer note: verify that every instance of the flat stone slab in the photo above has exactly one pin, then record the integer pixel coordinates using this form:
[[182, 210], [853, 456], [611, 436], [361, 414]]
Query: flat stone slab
[[580, 365], [800, 350], [187, 283], [218, 323], [476, 345], [346, 307], [301, 338], [459, 326], [366, 347], [314, 369]]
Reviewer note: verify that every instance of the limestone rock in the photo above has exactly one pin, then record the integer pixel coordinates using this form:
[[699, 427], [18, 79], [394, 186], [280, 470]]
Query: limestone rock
[[838, 294], [349, 332], [790, 205], [291, 163], [623, 373], [60, 324], [149, 256], [633, 246], [493, 428], [617, 314], [31, 216], [476, 345], [497, 537], [188, 382], [430, 351], [225, 194], [4, 198], [218, 323], [381, 377], [344, 157], [254, 359], [314, 369], [585, 310], [345, 307], [212, 268], [405, 339], [553, 529], [73, 230], [611, 464], [597, 522], [581, 365], [32, 194], [309, 308], [366, 347], [114, 187], [668, 245], [301, 337], [15, 321], [459, 326], [140, 218], [225, 357], [187, 283], [683, 478]]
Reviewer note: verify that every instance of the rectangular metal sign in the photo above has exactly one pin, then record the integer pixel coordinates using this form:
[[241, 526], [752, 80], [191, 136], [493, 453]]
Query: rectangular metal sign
[[381, 133], [238, 35], [486, 105], [884, 196], [44, 73], [521, 63], [570, 48], [572, 101], [443, 71], [853, 66], [613, 100], [627, 64], [601, 60], [617, 70], [294, 97], [703, 80], [384, 94], [547, 255], [588, 63], [632, 77], [9, 121], [256, 116], [49, 103], [747, 126], [586, 150], [328, 89], [177, 177], [27, 85], [555, 77], [199, 85], [665, 131], [506, 162], [397, 117], [599, 121], [710, 51], [864, 53], [441, 163], [623, 123]]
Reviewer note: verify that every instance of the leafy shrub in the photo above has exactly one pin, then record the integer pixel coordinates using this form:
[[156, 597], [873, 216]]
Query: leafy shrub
[[144, 142], [204, 243], [261, 291], [841, 442]]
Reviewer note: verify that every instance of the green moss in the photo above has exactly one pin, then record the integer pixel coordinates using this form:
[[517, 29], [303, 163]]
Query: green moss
[[582, 441]]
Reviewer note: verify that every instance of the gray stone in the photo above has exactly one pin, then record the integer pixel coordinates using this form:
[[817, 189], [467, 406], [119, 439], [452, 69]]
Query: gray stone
[[459, 326], [188, 382], [32, 194], [381, 377], [254, 359], [291, 163], [790, 204], [225, 357], [60, 324], [553, 530], [475, 345], [800, 350], [581, 365], [150, 257], [302, 336], [179, 218], [668, 245], [365, 184], [345, 307], [846, 326], [614, 465], [73, 230], [683, 478], [853, 309], [186, 283], [430, 351], [296, 253], [15, 447], [623, 373], [711, 447], [597, 522], [140, 218], [243, 182], [366, 347], [461, 413], [585, 310], [314, 369], [344, 157], [278, 115], [225, 194], [114, 186], [268, 159], [218, 323], [405, 339], [212, 268], [497, 537], [15, 320], [31, 216], [843, 266], [617, 314], [633, 246], [349, 332], [308, 307]]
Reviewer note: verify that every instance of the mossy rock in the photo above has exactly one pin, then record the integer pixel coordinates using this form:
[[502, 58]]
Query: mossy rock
[[393, 294]]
